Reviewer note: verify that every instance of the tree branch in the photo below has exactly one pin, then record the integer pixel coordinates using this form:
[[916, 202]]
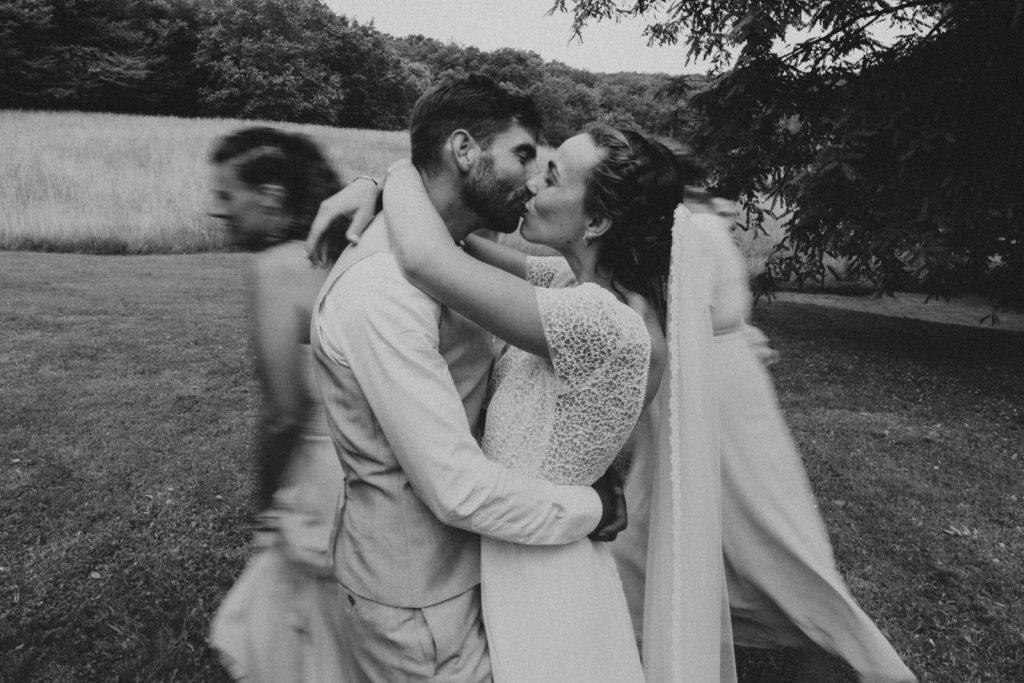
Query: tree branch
[[873, 16]]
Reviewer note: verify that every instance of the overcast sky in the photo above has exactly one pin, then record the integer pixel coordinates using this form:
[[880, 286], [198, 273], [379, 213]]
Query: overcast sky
[[524, 25]]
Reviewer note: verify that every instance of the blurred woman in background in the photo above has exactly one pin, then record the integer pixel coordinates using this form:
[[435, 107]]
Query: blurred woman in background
[[784, 589], [267, 186]]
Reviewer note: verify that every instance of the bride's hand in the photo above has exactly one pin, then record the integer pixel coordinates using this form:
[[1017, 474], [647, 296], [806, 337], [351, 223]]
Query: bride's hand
[[357, 201]]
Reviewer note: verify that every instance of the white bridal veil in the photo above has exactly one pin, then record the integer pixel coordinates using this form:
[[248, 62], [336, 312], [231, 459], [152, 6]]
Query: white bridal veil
[[687, 637]]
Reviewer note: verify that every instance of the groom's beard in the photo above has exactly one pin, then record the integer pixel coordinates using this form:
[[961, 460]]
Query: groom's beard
[[498, 201]]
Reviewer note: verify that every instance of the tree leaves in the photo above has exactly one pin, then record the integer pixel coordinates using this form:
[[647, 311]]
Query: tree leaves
[[903, 158], [296, 60], [289, 60]]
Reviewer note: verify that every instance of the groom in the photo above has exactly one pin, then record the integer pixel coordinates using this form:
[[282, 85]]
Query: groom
[[404, 379]]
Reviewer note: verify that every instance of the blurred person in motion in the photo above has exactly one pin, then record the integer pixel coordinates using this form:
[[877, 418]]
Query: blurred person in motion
[[267, 186], [784, 589]]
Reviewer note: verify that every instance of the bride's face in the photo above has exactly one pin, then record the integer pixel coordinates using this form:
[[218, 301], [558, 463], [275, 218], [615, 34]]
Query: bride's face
[[555, 216]]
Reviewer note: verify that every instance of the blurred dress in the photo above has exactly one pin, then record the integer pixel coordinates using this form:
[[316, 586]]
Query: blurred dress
[[783, 585], [276, 622], [558, 613]]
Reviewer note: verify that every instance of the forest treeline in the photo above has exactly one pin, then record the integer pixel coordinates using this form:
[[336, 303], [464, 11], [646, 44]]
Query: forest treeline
[[903, 157], [286, 60]]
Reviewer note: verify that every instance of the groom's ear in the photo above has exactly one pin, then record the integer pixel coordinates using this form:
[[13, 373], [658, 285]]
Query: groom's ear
[[464, 150]]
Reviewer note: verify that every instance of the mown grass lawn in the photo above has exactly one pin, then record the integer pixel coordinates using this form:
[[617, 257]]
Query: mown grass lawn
[[913, 435], [126, 418]]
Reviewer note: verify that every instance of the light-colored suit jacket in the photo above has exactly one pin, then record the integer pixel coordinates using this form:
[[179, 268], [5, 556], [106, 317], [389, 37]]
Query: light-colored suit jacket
[[403, 380]]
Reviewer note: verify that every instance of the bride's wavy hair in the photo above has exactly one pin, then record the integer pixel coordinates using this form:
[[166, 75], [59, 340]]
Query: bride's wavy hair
[[637, 184]]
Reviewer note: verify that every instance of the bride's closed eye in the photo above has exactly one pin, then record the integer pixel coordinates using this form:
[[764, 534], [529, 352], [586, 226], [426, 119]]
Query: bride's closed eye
[[551, 177]]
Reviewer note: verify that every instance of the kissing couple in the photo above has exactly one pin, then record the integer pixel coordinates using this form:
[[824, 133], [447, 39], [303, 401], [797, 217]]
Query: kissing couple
[[473, 549], [441, 536]]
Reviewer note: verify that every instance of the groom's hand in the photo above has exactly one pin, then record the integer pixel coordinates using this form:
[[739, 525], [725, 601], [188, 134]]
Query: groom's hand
[[613, 506]]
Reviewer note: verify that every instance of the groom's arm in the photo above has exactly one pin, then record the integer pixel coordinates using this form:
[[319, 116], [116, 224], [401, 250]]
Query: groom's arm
[[389, 337]]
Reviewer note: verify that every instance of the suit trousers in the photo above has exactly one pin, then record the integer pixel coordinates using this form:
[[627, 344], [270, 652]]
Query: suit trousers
[[442, 642]]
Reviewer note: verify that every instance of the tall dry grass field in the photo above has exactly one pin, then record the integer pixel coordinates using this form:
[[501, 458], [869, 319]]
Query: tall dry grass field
[[117, 184], [109, 183]]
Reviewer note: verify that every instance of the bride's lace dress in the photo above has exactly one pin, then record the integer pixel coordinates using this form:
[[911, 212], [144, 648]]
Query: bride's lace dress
[[558, 613]]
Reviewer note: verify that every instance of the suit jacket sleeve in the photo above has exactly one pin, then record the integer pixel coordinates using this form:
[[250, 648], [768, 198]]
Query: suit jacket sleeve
[[387, 332]]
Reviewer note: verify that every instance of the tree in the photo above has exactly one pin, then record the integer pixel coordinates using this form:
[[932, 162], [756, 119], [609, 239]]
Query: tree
[[170, 29], [517, 68], [24, 59], [906, 158], [566, 106], [380, 87], [106, 55], [295, 60], [655, 103], [263, 59]]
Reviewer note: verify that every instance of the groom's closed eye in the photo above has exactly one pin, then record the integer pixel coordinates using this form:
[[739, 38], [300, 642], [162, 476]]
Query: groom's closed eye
[[526, 153]]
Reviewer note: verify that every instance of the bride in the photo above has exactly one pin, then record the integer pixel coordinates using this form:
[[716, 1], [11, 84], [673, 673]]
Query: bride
[[587, 349]]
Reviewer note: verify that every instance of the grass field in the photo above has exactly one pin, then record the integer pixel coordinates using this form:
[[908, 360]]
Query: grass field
[[126, 423], [116, 184]]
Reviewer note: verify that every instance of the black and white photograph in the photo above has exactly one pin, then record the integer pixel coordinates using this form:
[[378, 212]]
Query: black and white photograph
[[546, 341]]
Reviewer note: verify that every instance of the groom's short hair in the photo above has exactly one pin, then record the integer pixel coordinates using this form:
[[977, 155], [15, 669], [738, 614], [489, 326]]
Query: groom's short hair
[[475, 103]]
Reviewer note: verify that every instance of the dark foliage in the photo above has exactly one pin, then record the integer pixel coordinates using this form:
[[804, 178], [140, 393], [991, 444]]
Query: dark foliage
[[905, 158], [283, 60], [99, 55], [569, 98], [295, 60], [287, 60]]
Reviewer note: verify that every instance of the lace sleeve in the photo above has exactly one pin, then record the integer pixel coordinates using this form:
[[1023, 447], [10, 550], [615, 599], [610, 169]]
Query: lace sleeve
[[542, 271], [589, 334]]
